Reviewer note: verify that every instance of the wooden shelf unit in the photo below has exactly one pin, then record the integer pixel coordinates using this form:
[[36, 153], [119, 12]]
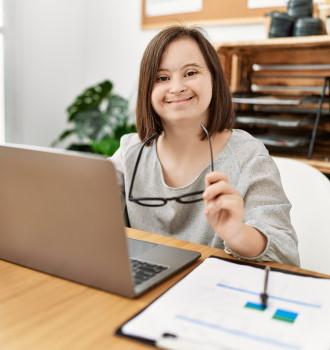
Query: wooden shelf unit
[[294, 71]]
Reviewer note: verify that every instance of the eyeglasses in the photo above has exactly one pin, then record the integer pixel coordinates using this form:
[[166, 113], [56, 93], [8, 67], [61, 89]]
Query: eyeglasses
[[191, 197]]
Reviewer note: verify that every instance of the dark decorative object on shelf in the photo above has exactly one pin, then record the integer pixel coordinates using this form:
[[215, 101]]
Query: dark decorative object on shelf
[[297, 21], [308, 26], [300, 8], [99, 118], [281, 25]]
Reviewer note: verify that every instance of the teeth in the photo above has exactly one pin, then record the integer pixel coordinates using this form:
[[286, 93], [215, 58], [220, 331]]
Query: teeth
[[187, 99]]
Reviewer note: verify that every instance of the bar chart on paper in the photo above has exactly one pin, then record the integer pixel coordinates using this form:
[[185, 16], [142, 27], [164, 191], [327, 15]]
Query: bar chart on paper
[[219, 302]]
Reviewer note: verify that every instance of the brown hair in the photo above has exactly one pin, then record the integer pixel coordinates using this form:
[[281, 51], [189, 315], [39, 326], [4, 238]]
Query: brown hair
[[221, 114]]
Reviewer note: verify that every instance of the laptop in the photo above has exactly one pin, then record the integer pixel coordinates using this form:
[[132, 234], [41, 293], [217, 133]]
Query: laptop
[[61, 213]]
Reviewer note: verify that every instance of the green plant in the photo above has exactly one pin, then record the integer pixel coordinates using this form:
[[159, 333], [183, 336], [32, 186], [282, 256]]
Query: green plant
[[98, 119]]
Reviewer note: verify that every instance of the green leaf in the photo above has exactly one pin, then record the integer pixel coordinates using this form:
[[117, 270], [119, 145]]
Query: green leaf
[[63, 136], [81, 147], [107, 146], [90, 99], [99, 118], [123, 129]]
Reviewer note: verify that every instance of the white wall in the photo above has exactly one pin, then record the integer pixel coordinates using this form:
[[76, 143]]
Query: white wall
[[56, 48], [45, 65]]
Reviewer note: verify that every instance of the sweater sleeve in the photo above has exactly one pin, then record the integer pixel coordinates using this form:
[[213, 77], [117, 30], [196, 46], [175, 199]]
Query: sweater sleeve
[[267, 209], [117, 161], [119, 158]]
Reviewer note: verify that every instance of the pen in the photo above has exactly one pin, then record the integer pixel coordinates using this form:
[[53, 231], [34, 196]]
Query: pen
[[169, 341], [264, 294]]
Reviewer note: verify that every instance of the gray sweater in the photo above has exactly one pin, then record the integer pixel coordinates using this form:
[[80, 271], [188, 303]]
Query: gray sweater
[[249, 168]]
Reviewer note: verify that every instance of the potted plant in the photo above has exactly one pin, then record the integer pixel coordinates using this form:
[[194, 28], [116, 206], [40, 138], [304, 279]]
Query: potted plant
[[98, 119]]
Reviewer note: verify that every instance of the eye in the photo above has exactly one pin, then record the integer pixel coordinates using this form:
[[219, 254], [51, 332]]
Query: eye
[[190, 73], [162, 78]]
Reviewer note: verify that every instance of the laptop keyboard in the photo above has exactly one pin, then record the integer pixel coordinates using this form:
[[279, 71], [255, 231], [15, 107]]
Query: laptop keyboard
[[143, 271]]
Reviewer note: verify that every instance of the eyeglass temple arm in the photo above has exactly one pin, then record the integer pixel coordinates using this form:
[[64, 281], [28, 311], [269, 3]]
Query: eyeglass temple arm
[[137, 163], [209, 139]]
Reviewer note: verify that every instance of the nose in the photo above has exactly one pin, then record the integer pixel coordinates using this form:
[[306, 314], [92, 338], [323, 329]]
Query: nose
[[177, 85]]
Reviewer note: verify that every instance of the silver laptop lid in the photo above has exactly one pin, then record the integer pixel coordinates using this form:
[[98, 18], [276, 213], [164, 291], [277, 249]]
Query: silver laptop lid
[[60, 212]]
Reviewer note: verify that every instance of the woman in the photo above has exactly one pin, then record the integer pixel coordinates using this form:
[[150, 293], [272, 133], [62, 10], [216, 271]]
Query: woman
[[171, 183]]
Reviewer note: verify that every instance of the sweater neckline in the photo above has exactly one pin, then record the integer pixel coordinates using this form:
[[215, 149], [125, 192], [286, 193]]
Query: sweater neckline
[[216, 159]]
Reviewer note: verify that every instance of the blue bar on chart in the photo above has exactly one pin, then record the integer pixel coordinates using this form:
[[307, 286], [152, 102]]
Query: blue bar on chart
[[255, 306], [285, 315]]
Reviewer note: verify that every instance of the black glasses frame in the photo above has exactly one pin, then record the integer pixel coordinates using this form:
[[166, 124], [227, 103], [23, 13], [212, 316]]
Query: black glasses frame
[[161, 201]]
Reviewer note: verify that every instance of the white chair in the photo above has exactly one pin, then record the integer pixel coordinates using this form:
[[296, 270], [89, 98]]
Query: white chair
[[309, 193]]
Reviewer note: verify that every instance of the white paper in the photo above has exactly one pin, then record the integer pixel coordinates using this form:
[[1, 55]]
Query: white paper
[[169, 7], [209, 305], [254, 4]]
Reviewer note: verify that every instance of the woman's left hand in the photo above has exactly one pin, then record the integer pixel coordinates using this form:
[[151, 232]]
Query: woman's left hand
[[224, 206]]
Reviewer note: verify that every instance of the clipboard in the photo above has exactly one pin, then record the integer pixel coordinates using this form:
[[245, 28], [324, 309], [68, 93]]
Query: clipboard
[[287, 304]]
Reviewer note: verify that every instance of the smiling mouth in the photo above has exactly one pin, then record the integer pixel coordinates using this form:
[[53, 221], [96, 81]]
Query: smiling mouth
[[180, 100]]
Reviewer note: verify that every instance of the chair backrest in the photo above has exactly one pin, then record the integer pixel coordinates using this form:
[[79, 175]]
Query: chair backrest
[[308, 190]]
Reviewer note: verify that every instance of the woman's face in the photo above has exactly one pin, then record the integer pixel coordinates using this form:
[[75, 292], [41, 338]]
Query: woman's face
[[182, 90]]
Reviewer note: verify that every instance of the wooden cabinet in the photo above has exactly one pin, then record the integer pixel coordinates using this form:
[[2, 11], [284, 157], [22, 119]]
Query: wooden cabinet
[[281, 93]]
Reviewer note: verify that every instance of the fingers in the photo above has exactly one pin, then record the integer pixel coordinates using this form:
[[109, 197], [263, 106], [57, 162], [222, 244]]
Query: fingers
[[230, 202], [216, 184], [220, 195], [224, 205], [215, 176]]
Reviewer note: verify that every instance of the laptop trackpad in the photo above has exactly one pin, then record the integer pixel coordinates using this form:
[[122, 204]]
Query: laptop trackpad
[[137, 248]]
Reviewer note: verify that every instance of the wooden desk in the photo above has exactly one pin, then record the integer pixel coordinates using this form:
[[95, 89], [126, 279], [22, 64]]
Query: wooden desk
[[38, 311]]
